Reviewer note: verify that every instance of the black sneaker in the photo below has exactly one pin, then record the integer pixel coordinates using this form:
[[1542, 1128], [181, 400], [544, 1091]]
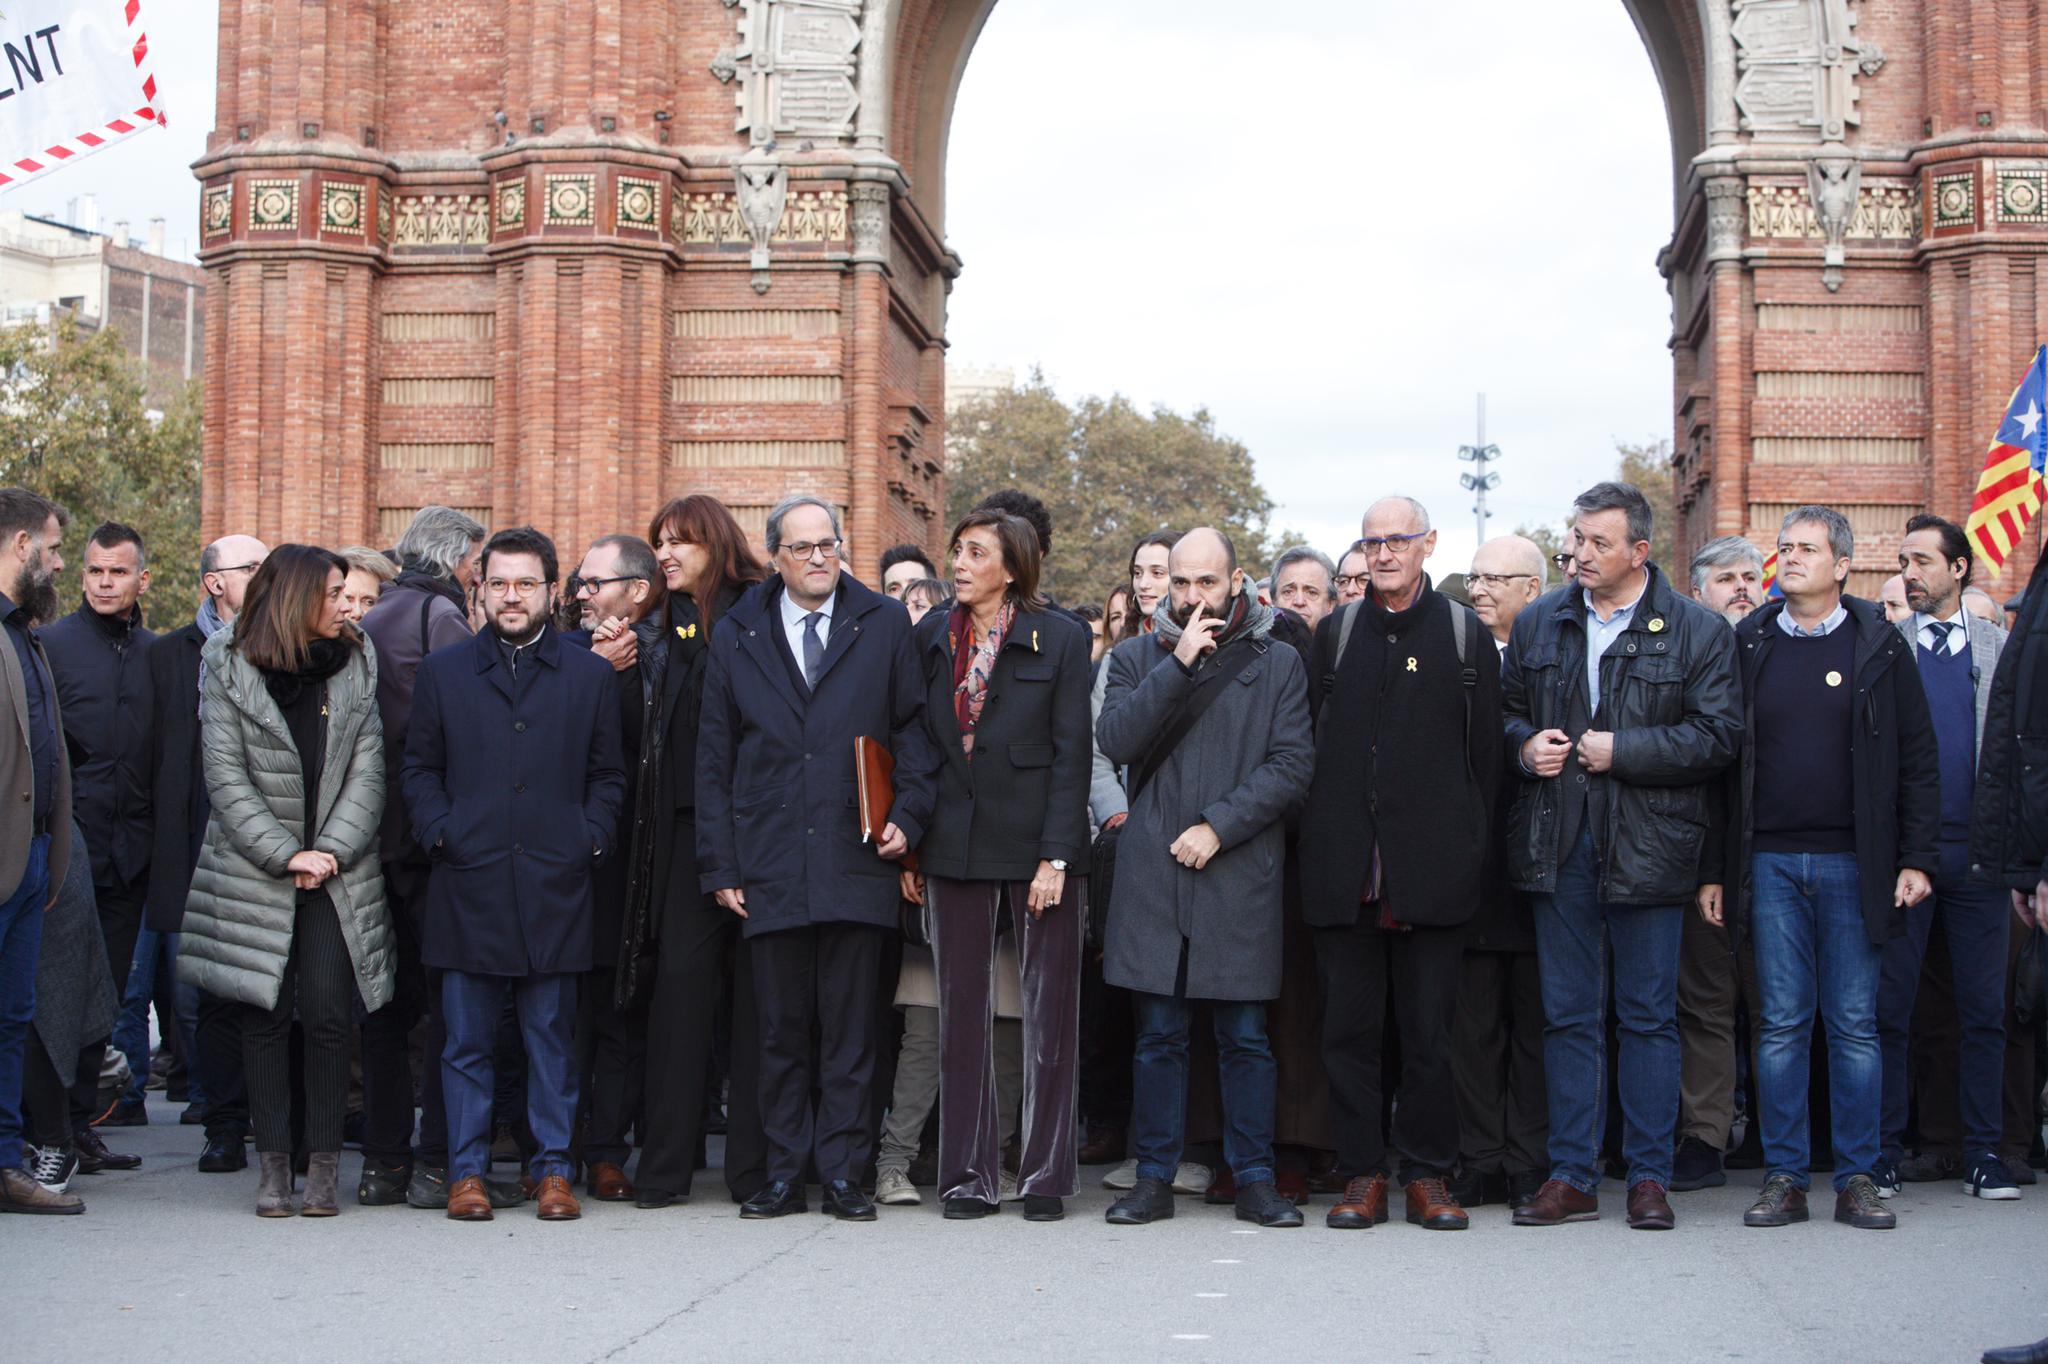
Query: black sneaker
[[1930, 1167], [428, 1187], [1987, 1177], [51, 1166], [225, 1155], [1149, 1200], [1885, 1175], [1262, 1203], [1696, 1166], [1859, 1206], [384, 1186]]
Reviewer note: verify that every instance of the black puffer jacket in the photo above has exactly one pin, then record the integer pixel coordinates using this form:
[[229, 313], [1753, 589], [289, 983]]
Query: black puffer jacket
[[2009, 822], [1674, 706]]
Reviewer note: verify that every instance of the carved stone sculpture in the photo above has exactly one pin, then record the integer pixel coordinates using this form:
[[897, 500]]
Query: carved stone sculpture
[[870, 221], [763, 190], [1797, 62], [1727, 215], [1834, 180]]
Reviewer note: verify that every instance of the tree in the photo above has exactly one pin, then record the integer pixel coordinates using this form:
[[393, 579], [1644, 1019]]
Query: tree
[[1648, 467], [75, 426], [1109, 474]]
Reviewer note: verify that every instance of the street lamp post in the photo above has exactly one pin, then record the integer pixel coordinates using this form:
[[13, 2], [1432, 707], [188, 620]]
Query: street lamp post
[[1479, 482]]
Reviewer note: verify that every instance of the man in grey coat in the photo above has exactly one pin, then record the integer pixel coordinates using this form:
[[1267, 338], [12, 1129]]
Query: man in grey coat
[[1211, 716]]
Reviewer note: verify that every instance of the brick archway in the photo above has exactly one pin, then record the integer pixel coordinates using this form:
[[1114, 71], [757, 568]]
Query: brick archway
[[542, 261]]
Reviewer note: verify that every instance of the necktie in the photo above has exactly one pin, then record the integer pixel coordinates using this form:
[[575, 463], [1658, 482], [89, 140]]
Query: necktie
[[814, 649], [1944, 635]]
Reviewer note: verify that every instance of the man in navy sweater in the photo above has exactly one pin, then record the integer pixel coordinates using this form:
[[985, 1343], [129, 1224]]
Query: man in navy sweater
[[1957, 654], [1836, 817]]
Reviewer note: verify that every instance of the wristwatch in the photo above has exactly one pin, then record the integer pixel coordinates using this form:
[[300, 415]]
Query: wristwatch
[[1059, 864]]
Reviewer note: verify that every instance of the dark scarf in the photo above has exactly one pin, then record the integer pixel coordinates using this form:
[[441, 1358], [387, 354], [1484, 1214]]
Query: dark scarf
[[117, 629], [413, 576], [301, 696]]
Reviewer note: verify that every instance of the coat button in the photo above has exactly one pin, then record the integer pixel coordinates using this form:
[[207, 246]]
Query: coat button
[[1393, 638], [520, 789], [519, 847], [519, 726]]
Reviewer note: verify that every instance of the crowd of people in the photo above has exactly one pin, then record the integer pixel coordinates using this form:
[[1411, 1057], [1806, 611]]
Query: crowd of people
[[1334, 884]]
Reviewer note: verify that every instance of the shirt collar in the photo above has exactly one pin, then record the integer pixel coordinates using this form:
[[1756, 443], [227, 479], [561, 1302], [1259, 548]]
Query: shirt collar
[[1921, 620], [793, 615], [1826, 627], [1621, 613]]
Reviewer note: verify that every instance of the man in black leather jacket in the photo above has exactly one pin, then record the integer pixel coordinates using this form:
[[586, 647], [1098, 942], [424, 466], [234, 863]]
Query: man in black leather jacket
[[1615, 762]]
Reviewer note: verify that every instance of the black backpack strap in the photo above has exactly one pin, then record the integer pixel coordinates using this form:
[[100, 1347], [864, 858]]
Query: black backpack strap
[[1347, 616], [1207, 689], [1461, 632]]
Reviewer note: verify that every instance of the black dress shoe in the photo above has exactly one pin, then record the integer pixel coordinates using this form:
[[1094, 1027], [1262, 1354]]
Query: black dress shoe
[[224, 1156], [1476, 1188], [1262, 1203], [126, 1114], [382, 1186], [778, 1198], [2037, 1353], [1149, 1200], [193, 1116], [1043, 1208], [844, 1200], [1523, 1186], [644, 1197], [93, 1155], [968, 1209]]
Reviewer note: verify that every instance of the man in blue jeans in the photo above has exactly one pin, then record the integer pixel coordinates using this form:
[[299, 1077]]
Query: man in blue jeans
[[1957, 655], [35, 831], [1210, 713], [1622, 704], [1835, 818]]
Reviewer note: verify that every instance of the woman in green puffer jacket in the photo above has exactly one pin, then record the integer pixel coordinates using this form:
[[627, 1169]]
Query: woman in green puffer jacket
[[287, 905]]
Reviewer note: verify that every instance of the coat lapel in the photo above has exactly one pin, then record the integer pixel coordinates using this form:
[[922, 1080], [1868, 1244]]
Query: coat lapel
[[490, 660], [847, 616], [759, 645], [945, 720]]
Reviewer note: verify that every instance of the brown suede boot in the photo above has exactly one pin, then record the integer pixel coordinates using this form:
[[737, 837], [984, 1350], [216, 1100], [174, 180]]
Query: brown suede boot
[[323, 1171], [274, 1189]]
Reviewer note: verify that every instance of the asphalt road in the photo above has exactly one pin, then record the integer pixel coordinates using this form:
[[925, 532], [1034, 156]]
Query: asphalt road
[[169, 1264]]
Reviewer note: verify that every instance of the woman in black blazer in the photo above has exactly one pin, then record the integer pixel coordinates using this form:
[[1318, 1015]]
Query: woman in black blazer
[[1006, 702]]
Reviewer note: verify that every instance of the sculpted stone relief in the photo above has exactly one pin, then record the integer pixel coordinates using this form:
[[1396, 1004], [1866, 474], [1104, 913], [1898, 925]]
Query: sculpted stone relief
[[1797, 62]]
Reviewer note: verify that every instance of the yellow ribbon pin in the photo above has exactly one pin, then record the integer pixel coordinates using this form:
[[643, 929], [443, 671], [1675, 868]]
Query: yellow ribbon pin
[[1034, 641], [1411, 665]]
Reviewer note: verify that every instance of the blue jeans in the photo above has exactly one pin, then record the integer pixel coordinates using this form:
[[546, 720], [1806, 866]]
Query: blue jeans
[[1977, 921], [1575, 932], [156, 953], [1813, 951], [1159, 1086], [21, 942], [547, 1015]]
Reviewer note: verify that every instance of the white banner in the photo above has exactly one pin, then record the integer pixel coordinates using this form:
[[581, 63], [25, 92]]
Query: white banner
[[74, 77]]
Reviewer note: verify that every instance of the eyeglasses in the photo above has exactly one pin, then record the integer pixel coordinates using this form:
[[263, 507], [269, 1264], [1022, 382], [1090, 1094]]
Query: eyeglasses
[[1347, 581], [241, 568], [1564, 561], [1494, 579], [508, 587], [804, 550], [1373, 544], [595, 585]]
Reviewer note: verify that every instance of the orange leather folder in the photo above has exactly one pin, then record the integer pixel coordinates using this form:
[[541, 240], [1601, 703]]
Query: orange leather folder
[[875, 769]]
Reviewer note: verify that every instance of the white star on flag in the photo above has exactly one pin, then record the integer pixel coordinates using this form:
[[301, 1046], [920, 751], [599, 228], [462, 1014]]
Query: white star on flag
[[2030, 419]]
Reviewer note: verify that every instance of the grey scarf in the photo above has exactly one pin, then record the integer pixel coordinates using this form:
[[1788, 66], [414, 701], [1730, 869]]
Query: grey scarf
[[210, 624]]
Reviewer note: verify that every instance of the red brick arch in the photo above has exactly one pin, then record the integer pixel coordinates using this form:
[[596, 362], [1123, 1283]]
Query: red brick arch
[[494, 255]]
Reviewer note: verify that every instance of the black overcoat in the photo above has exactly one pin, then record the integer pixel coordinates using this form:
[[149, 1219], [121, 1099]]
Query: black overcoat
[[514, 789], [177, 782]]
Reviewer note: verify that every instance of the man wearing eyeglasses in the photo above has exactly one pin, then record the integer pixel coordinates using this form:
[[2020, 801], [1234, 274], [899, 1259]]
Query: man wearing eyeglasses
[[1497, 1040], [513, 779], [1623, 707], [1353, 576], [799, 668]]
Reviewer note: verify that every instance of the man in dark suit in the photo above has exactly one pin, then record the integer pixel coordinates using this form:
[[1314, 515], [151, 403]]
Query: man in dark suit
[[177, 784], [96, 654], [513, 779], [801, 666], [35, 831]]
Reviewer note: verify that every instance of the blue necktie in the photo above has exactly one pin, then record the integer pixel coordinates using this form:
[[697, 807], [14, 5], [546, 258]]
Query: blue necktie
[[814, 649]]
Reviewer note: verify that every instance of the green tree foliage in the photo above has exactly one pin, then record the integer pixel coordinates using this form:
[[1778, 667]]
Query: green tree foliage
[[1110, 475], [75, 426]]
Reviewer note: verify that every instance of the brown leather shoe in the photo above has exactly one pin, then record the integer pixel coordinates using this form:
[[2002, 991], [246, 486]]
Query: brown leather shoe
[[1363, 1204], [608, 1183], [19, 1192], [558, 1201], [1649, 1209], [1430, 1205], [468, 1200], [1557, 1203]]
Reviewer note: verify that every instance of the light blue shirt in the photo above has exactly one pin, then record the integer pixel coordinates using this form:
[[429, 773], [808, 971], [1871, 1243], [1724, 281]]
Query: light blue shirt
[[1601, 633], [793, 625], [1826, 627]]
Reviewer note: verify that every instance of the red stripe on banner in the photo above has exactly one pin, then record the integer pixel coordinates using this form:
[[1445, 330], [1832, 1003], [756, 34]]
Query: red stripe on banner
[[6, 179], [60, 153], [122, 126], [141, 48], [28, 165], [91, 139], [2010, 483], [134, 8], [149, 88]]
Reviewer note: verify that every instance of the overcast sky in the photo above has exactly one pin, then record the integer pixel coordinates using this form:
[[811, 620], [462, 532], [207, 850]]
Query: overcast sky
[[1332, 224]]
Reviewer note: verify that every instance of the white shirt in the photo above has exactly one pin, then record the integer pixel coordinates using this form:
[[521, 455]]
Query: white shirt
[[1826, 627], [1932, 633], [1601, 633], [793, 617]]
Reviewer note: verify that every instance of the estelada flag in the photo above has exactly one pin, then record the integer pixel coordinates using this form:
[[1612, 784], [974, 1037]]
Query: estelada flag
[[2009, 490], [74, 77], [1771, 576]]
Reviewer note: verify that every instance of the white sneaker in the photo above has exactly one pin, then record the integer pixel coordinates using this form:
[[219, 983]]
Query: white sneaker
[[894, 1188], [1124, 1176], [1009, 1192], [1191, 1178]]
